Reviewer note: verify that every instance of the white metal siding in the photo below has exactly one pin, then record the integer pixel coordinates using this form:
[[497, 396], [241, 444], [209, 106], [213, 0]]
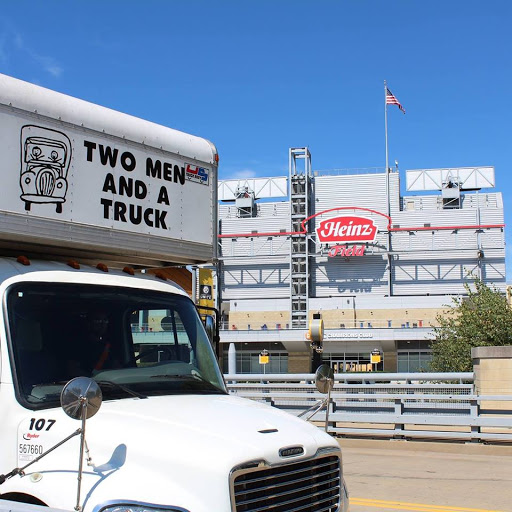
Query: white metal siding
[[425, 261], [256, 280], [361, 190], [355, 275], [255, 247]]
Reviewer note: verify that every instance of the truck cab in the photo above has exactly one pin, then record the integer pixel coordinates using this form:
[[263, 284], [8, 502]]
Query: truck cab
[[168, 431]]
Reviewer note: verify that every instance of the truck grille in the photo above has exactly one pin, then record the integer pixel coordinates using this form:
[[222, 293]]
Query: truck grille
[[305, 486], [46, 183]]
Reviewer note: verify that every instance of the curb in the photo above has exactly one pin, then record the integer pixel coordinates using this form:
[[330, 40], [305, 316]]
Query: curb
[[428, 446]]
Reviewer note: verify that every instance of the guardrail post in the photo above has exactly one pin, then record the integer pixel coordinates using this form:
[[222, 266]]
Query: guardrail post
[[268, 399], [399, 411], [474, 413], [328, 411], [474, 407]]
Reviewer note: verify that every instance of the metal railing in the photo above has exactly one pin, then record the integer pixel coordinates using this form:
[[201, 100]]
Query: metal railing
[[348, 171], [393, 405], [348, 323]]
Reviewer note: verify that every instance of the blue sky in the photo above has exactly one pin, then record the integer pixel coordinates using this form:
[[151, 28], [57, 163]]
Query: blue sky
[[258, 77]]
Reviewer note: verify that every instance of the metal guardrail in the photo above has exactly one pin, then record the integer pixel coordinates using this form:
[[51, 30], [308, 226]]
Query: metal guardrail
[[348, 323], [393, 405]]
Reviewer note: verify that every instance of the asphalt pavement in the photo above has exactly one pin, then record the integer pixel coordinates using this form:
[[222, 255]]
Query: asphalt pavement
[[388, 475]]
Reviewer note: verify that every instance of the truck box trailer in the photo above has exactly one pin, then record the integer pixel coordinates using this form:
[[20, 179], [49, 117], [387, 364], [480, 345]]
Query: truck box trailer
[[90, 197]]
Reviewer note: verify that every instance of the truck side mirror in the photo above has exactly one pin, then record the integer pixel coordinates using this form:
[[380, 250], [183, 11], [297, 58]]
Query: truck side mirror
[[81, 397], [209, 325], [324, 379], [324, 382]]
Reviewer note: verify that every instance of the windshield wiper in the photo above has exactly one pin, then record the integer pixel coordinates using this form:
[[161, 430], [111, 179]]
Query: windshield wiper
[[112, 384], [190, 377], [42, 385]]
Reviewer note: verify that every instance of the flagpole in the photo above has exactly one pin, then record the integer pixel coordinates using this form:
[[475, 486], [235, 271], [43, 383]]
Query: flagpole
[[388, 208], [386, 124]]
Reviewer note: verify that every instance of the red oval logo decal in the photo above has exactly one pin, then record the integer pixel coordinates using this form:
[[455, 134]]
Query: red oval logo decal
[[346, 229]]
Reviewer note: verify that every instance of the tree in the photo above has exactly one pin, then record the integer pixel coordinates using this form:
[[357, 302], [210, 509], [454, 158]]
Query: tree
[[482, 318]]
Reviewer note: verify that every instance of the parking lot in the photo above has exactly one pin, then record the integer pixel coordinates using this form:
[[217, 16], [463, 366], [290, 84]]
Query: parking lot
[[427, 476]]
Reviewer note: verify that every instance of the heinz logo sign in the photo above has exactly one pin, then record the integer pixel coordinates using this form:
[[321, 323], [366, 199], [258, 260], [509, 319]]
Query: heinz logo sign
[[346, 229]]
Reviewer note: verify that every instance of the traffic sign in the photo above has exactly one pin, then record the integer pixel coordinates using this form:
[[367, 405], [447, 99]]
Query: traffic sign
[[375, 356], [264, 357]]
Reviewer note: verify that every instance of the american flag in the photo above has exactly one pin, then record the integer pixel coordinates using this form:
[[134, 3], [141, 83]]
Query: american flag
[[391, 100]]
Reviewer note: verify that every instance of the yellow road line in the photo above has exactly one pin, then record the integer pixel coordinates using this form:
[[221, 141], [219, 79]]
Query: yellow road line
[[416, 507]]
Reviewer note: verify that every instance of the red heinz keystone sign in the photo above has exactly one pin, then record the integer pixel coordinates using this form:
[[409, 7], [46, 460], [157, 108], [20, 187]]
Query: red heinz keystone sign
[[346, 229]]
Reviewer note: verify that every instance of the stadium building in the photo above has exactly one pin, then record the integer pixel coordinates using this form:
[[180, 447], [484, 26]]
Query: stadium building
[[347, 253]]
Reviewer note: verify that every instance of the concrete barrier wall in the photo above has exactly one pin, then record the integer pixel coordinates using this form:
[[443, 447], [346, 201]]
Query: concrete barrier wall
[[493, 374]]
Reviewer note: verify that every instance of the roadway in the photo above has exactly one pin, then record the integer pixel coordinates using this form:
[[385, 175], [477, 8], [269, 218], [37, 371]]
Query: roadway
[[386, 476]]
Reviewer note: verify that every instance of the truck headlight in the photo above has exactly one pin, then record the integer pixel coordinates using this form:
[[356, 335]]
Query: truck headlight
[[133, 506]]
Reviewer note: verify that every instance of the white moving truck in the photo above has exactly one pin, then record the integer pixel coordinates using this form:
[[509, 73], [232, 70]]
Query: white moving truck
[[85, 191]]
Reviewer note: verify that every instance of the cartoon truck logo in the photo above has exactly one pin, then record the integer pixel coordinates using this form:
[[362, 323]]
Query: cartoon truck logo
[[45, 157]]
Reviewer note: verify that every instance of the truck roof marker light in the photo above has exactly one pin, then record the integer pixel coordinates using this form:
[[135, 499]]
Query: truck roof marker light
[[102, 267], [216, 158], [161, 276], [23, 260], [73, 264], [129, 271]]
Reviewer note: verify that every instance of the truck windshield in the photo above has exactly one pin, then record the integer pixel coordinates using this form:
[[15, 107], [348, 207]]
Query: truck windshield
[[132, 342]]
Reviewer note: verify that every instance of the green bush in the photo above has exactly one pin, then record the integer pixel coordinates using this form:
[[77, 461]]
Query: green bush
[[482, 318]]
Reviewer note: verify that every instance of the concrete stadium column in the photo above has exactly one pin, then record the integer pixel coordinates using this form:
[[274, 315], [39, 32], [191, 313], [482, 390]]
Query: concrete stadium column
[[493, 373], [299, 362], [389, 352], [232, 359], [390, 362]]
